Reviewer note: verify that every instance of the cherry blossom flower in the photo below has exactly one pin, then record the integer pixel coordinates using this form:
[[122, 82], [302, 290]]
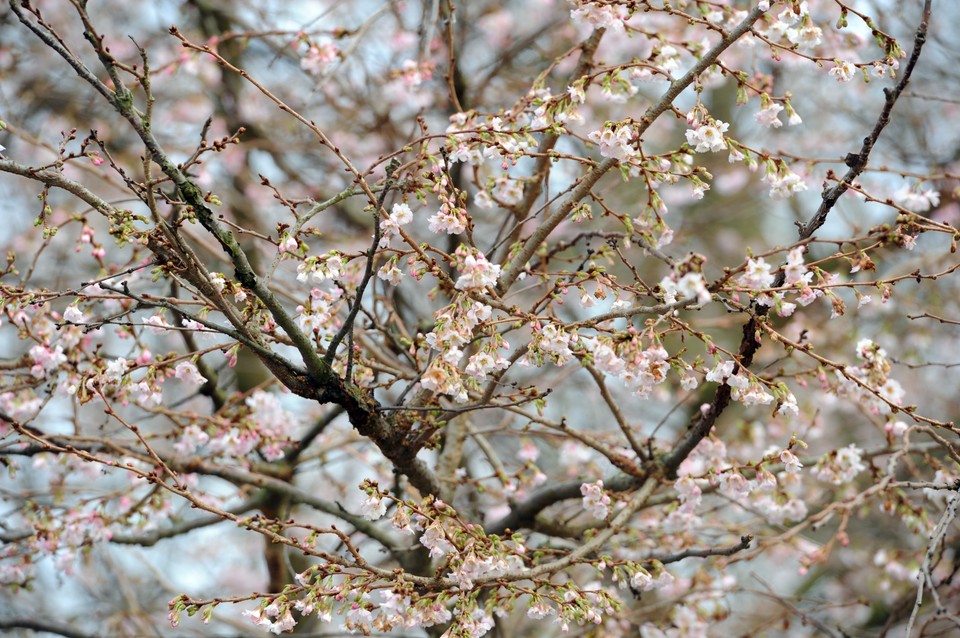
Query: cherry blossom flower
[[319, 58], [734, 485], [768, 116], [147, 395], [595, 501], [616, 142], [539, 608], [373, 507], [576, 93], [414, 74], [288, 244], [553, 342], [436, 541], [187, 372], [218, 281], [391, 273], [400, 215], [115, 370], [793, 118], [359, 619], [692, 285], [779, 510], [708, 137], [46, 360], [484, 362], [757, 275], [320, 269], [916, 199], [447, 220], [73, 315], [721, 372], [749, 392], [158, 324], [790, 461], [795, 270], [508, 190], [841, 466], [191, 439], [784, 184], [807, 36], [476, 272], [843, 71], [600, 16], [788, 405]]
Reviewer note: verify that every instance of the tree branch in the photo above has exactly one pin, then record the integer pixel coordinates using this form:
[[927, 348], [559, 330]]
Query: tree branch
[[587, 181]]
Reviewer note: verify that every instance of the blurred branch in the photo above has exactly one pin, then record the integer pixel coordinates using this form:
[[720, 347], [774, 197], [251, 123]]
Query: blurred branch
[[47, 626]]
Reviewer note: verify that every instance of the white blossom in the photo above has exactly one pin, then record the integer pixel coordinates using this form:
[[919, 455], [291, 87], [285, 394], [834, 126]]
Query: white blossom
[[843, 71], [595, 501], [708, 137]]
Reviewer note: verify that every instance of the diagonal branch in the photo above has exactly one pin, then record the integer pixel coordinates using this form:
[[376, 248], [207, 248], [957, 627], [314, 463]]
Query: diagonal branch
[[347, 327], [857, 162], [750, 342]]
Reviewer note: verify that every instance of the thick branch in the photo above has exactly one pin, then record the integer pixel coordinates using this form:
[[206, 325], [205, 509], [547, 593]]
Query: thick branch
[[47, 626]]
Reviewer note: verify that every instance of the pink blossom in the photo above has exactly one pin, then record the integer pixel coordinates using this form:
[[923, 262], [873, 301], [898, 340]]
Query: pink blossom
[[447, 220], [599, 15], [721, 372], [46, 360], [288, 244], [373, 507], [757, 275], [790, 461], [319, 58], [917, 199], [187, 372], [436, 541], [595, 501], [399, 216], [191, 439], [477, 273], [73, 315], [391, 273]]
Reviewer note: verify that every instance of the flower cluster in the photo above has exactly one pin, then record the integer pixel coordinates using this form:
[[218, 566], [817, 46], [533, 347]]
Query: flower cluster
[[318, 315], [550, 343], [600, 15], [319, 58], [320, 269], [708, 136], [456, 325], [476, 273], [596, 501], [841, 466], [399, 216], [691, 285], [783, 182], [916, 199], [451, 218], [870, 384], [617, 141]]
